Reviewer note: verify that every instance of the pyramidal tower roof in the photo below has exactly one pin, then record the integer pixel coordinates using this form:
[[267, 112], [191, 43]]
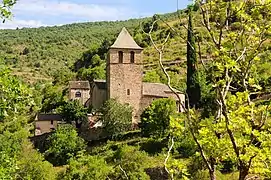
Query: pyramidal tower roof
[[125, 40]]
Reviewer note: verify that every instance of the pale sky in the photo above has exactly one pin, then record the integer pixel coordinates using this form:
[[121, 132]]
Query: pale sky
[[36, 13]]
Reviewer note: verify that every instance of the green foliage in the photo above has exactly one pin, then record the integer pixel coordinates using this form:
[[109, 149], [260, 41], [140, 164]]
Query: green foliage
[[16, 98], [115, 117], [5, 8], [155, 119], [74, 111], [153, 146], [52, 98], [53, 51], [178, 169], [10, 148], [185, 145], [91, 66], [91, 74], [63, 145], [193, 88], [17, 157], [132, 162], [32, 165], [85, 167]]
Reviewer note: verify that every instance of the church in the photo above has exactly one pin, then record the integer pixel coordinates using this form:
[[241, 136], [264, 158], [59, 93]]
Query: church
[[124, 74]]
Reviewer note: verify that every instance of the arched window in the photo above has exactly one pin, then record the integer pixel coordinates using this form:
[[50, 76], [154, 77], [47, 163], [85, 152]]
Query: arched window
[[120, 57], [132, 57], [77, 94]]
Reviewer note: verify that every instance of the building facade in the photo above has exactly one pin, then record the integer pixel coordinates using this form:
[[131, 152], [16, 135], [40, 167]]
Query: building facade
[[124, 74], [45, 123], [79, 90]]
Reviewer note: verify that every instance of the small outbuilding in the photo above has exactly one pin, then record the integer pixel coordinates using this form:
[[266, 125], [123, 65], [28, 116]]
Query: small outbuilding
[[45, 123]]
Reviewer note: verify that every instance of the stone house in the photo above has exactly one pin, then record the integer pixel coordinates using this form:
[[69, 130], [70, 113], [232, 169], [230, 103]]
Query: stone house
[[124, 73], [45, 123], [79, 90]]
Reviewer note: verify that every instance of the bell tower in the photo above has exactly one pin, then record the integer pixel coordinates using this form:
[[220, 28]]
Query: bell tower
[[124, 72]]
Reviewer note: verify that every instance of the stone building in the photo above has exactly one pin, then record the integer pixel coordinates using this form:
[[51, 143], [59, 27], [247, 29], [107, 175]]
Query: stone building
[[124, 72], [45, 123], [79, 90]]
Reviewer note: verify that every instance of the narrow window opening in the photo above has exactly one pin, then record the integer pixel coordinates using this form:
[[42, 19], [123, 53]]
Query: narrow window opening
[[132, 56], [52, 122], [128, 92], [77, 94], [120, 57]]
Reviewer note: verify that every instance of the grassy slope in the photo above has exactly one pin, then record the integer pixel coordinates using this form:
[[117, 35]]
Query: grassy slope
[[39, 53]]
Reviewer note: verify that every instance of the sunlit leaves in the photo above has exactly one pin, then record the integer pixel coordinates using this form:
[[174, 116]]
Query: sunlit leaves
[[5, 8]]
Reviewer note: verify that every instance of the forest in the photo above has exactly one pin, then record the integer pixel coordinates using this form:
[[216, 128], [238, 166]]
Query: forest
[[217, 53]]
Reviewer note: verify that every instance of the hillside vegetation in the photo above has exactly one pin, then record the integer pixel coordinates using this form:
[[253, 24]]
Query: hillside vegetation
[[58, 53], [47, 52], [222, 134]]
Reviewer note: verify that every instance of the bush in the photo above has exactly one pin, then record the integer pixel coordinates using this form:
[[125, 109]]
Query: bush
[[74, 111], [63, 145], [185, 145], [116, 118], [131, 161], [85, 167], [32, 165], [153, 146], [155, 119]]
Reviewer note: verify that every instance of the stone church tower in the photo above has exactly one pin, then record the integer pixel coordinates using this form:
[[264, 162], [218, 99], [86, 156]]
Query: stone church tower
[[124, 72]]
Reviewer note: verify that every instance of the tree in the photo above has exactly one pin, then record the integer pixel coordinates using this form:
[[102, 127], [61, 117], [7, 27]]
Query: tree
[[63, 145], [52, 98], [232, 55], [90, 74], [5, 8], [193, 88], [74, 111], [236, 122], [232, 72], [31, 164], [115, 117], [16, 98], [155, 119], [85, 167], [131, 163]]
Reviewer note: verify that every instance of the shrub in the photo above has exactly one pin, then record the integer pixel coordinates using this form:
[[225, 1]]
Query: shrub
[[116, 118], [31, 165], [85, 167], [131, 161], [63, 145], [155, 119]]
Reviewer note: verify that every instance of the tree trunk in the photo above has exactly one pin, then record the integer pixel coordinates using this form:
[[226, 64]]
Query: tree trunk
[[212, 171], [243, 172], [78, 124], [212, 175]]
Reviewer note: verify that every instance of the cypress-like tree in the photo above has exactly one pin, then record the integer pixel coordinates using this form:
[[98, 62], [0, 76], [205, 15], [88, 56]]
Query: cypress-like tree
[[193, 87]]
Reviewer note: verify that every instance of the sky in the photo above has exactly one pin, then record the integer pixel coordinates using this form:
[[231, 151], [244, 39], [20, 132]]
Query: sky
[[37, 13]]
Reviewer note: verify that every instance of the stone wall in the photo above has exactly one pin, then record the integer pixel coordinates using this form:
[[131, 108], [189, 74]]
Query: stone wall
[[44, 126], [98, 97], [124, 80], [85, 95]]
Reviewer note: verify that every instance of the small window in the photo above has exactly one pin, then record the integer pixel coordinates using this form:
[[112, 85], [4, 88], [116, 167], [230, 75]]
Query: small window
[[128, 92], [77, 94], [52, 122], [120, 57], [132, 57]]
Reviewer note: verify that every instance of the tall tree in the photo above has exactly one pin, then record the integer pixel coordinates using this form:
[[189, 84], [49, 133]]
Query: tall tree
[[193, 88], [73, 111]]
